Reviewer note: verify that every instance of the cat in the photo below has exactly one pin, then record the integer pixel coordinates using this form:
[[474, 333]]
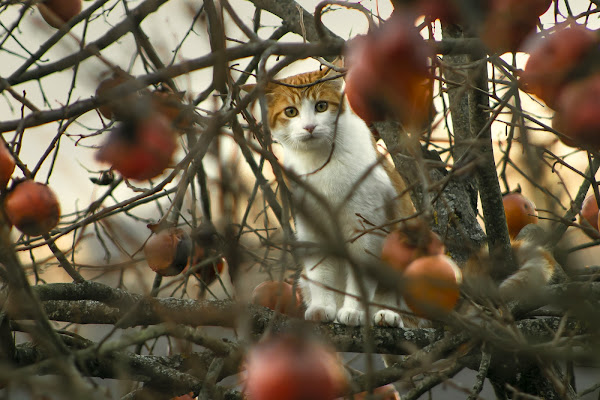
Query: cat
[[347, 188]]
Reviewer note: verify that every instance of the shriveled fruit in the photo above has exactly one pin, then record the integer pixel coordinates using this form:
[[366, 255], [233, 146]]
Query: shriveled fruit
[[589, 211], [58, 12], [32, 207], [7, 165], [293, 368], [404, 245], [278, 296], [552, 60], [431, 285], [168, 251], [519, 211], [388, 74], [140, 149]]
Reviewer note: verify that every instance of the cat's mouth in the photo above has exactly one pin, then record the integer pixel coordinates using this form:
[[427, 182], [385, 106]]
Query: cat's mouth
[[306, 137]]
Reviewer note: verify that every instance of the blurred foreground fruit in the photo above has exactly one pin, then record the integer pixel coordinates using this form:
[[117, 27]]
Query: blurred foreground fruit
[[58, 12], [431, 285], [578, 110], [32, 207], [119, 107], [411, 241], [388, 74], [589, 211], [140, 149], [509, 22], [278, 296], [168, 251], [519, 211], [553, 59], [7, 166], [293, 368]]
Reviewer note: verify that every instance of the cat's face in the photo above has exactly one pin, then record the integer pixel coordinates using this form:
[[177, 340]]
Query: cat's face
[[304, 118]]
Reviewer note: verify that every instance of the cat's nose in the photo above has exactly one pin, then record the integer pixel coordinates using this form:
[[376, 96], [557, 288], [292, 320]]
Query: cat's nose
[[310, 128]]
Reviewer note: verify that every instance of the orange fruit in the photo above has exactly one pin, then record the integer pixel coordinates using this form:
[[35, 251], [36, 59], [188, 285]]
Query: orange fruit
[[278, 296], [7, 166], [32, 207], [411, 241], [140, 149], [589, 211], [58, 12], [293, 368], [168, 251], [431, 285], [519, 211]]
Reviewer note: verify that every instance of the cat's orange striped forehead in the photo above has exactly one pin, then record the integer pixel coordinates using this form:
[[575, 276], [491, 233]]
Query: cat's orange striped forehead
[[280, 96]]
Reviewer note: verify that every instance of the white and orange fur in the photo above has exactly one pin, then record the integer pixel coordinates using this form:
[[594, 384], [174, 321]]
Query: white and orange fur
[[332, 150]]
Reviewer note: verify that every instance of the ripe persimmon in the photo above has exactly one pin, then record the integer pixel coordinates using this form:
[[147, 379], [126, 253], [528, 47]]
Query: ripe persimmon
[[32, 207], [431, 285], [519, 211], [389, 74], [278, 296], [140, 149], [58, 12], [411, 241], [589, 211], [168, 251], [7, 166], [292, 367], [552, 60]]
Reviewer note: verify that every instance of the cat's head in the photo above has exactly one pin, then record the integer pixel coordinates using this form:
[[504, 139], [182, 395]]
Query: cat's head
[[303, 109]]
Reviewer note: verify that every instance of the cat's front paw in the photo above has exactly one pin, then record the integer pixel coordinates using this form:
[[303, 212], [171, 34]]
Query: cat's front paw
[[388, 318], [320, 313], [351, 316]]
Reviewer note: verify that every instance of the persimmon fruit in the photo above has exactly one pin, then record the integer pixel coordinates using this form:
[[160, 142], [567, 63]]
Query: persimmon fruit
[[406, 244], [552, 60], [431, 285], [168, 251], [388, 74], [58, 12], [577, 108], [589, 211], [291, 367], [140, 149], [7, 166], [32, 207], [278, 296], [519, 211], [508, 23]]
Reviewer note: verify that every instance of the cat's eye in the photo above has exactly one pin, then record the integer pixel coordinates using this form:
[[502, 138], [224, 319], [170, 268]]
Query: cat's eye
[[290, 112], [321, 106]]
